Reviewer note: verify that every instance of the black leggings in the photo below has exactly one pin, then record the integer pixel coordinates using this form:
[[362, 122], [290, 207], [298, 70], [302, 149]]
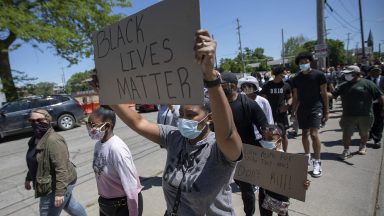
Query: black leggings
[[122, 210]]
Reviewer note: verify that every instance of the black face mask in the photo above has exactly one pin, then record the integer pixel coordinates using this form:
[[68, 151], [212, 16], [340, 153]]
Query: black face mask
[[40, 128]]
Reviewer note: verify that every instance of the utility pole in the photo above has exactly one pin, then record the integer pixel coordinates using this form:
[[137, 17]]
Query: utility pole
[[361, 29], [348, 47], [321, 63], [282, 45], [240, 47], [63, 78]]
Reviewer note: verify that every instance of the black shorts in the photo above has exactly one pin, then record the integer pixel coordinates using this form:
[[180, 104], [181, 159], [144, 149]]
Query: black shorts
[[309, 117]]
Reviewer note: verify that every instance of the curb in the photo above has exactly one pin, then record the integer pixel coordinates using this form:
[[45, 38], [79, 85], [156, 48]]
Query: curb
[[379, 210]]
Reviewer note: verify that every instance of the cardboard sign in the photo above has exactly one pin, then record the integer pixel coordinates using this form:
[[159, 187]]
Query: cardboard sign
[[148, 57], [280, 172]]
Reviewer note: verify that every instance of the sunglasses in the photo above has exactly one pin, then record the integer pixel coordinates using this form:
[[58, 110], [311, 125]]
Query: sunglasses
[[92, 125], [271, 130], [39, 120]]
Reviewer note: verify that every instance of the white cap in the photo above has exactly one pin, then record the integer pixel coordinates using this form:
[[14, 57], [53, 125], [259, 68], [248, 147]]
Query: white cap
[[248, 79], [351, 69]]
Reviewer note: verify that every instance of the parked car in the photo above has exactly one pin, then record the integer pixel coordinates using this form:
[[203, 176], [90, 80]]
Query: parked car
[[66, 113], [146, 107]]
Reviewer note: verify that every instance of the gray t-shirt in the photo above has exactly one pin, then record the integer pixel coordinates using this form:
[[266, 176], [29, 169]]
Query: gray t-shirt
[[205, 190]]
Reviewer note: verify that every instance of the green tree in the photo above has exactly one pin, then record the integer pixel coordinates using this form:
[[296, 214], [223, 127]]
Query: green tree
[[44, 88], [75, 83], [294, 46], [336, 51], [67, 26]]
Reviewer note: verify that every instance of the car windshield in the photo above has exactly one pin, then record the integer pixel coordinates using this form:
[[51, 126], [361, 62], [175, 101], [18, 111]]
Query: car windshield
[[15, 106]]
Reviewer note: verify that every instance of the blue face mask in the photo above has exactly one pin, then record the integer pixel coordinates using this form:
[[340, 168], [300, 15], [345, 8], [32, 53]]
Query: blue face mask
[[268, 144], [304, 67], [188, 128]]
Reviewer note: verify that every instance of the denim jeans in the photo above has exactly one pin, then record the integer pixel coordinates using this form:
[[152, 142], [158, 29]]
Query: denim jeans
[[70, 204]]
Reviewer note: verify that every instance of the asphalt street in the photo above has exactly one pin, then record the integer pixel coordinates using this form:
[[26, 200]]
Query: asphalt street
[[350, 187]]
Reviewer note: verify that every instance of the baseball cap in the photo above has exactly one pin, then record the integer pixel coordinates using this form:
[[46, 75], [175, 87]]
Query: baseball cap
[[228, 77], [376, 68], [248, 79], [351, 69]]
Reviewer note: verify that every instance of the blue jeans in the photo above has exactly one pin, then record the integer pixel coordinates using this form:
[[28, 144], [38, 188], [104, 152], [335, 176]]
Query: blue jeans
[[70, 204]]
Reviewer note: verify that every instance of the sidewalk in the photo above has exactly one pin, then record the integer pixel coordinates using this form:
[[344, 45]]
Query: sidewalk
[[346, 188]]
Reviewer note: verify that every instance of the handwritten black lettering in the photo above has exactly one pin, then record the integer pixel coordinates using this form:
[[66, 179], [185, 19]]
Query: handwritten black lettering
[[100, 43], [134, 89], [167, 84], [169, 50], [142, 82], [119, 35], [183, 81], [153, 53], [110, 36], [131, 58], [123, 89], [139, 29], [142, 59], [157, 85], [122, 64], [126, 30]]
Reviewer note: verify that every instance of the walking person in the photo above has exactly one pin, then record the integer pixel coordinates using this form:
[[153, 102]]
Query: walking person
[[279, 95], [50, 171], [117, 179], [168, 114], [247, 114], [357, 95], [249, 86], [376, 132], [200, 163], [310, 106]]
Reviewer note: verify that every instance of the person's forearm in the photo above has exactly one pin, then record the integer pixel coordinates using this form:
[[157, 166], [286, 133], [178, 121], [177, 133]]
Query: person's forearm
[[325, 103]]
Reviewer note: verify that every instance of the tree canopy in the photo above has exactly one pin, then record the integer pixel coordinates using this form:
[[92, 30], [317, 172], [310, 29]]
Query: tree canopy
[[67, 26], [75, 83]]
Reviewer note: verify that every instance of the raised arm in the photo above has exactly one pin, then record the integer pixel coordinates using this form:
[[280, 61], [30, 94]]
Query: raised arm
[[137, 122], [228, 140]]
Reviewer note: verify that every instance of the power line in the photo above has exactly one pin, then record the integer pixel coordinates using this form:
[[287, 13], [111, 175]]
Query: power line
[[341, 23], [334, 12], [346, 9]]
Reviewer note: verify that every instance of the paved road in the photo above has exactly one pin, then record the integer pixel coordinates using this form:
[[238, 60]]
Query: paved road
[[346, 188]]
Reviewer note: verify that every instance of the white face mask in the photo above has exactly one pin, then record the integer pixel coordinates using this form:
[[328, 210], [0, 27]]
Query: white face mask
[[348, 77], [96, 133]]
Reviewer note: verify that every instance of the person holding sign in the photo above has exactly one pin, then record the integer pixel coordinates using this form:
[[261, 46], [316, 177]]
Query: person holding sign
[[200, 163], [269, 201]]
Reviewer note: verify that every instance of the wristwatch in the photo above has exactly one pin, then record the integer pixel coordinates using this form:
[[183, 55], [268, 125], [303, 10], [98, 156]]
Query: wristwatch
[[213, 83]]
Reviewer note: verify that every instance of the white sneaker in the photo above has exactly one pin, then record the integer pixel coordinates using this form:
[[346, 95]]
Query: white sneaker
[[317, 171], [309, 160], [345, 155]]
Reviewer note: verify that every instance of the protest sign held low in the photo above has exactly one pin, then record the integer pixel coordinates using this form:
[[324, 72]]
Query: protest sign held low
[[280, 172], [148, 57]]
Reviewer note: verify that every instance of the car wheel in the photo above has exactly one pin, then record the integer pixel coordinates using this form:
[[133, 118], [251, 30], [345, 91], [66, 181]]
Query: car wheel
[[66, 122]]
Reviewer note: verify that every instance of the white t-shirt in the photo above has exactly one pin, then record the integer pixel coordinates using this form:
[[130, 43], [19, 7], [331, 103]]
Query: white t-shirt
[[116, 174], [266, 107]]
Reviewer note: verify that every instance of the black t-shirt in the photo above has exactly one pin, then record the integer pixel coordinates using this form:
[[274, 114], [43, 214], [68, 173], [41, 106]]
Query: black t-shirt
[[246, 113], [277, 94], [308, 88]]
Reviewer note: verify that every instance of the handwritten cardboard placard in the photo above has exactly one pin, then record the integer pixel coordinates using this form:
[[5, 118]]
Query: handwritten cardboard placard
[[148, 57], [280, 172]]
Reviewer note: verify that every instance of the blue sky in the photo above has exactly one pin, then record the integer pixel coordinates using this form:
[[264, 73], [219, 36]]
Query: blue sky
[[261, 21]]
